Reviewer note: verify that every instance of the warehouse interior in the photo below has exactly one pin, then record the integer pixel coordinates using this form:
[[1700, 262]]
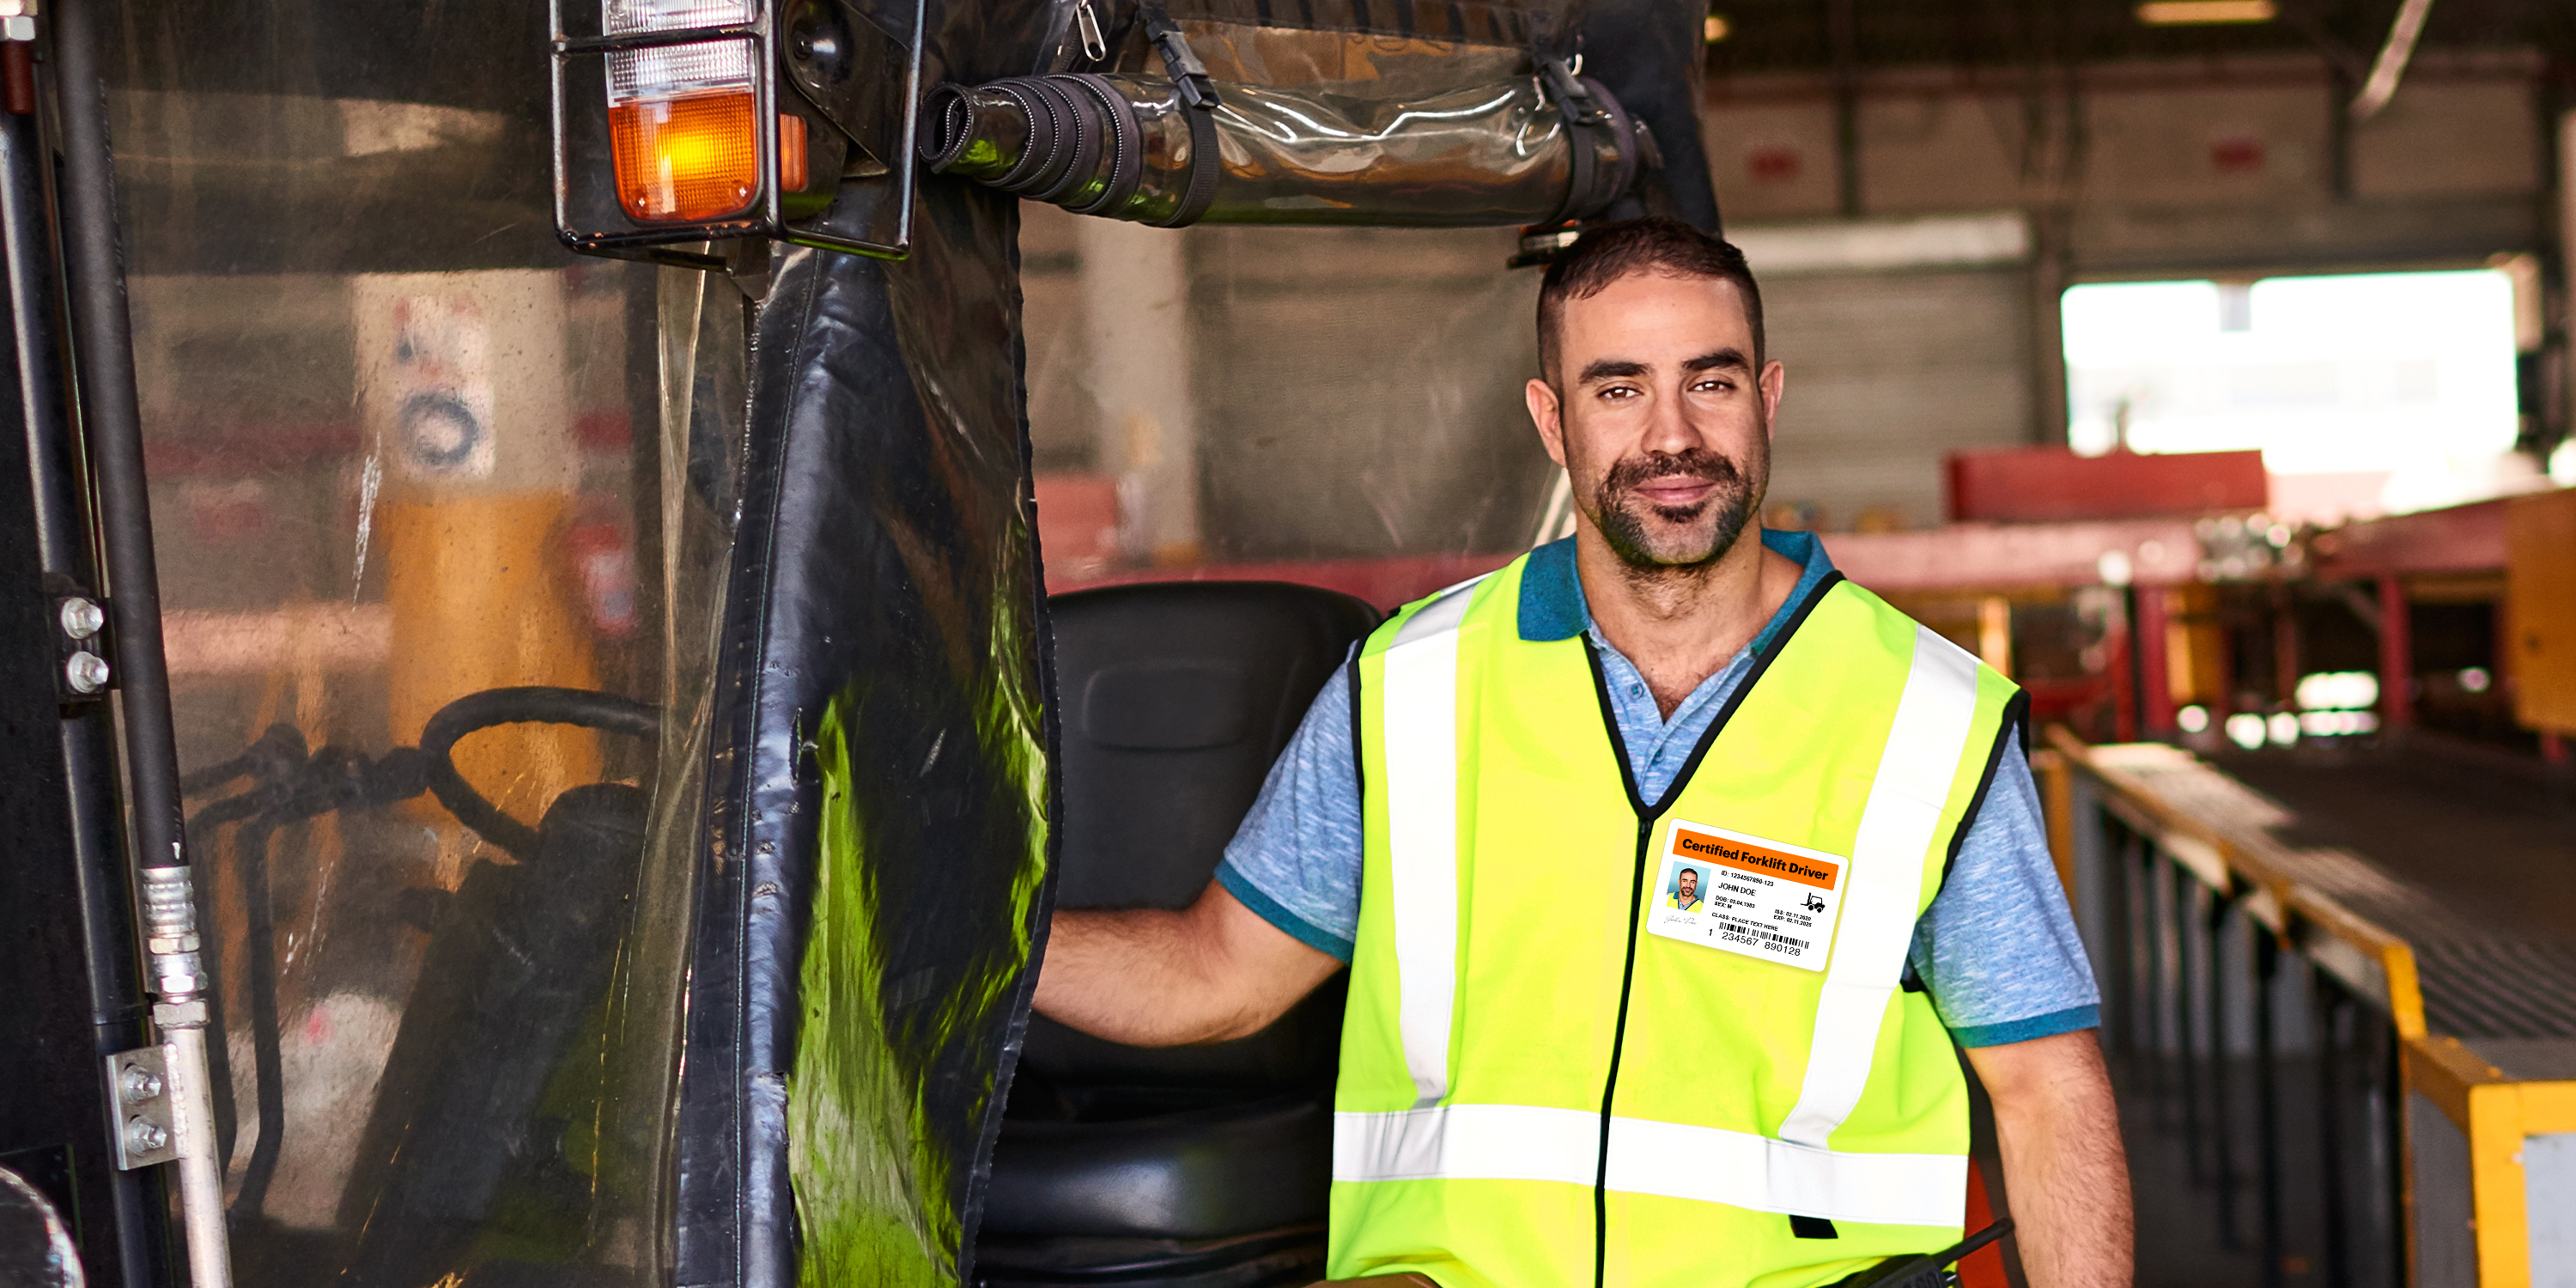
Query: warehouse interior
[[2203, 365]]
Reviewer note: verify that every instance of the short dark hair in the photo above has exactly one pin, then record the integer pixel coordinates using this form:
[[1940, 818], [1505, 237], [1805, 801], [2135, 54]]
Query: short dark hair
[[1654, 245]]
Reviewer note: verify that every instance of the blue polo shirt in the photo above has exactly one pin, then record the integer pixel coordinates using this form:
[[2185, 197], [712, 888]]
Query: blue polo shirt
[[1997, 950]]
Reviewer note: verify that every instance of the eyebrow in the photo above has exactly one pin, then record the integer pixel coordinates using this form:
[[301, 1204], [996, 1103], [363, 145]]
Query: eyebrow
[[1718, 360], [1608, 369], [1624, 368]]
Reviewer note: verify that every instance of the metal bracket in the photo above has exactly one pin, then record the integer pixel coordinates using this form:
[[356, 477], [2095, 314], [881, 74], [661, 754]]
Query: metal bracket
[[1571, 98], [147, 1124], [1189, 75], [79, 621]]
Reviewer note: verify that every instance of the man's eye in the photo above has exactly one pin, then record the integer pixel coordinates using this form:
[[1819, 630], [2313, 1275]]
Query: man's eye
[[1619, 392], [1714, 384]]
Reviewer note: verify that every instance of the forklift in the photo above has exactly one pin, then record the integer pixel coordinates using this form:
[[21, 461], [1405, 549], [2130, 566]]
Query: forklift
[[543, 753]]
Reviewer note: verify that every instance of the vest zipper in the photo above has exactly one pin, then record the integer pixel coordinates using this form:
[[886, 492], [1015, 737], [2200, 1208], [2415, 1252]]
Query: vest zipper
[[1648, 815], [1618, 1039]]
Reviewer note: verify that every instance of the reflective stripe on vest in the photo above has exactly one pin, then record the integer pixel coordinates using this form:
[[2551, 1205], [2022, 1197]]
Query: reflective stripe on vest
[[1422, 818], [1923, 749], [1794, 1174], [1707, 1164]]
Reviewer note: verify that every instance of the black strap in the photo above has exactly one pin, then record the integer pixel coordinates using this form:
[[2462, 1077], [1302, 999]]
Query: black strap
[[1205, 167], [1575, 110], [1189, 75], [1199, 102], [1929, 1270]]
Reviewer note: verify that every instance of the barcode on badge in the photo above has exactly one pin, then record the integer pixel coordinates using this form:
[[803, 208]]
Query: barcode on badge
[[1748, 928]]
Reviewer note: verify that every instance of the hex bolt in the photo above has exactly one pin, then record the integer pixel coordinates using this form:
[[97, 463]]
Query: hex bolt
[[140, 1084], [86, 672], [143, 1136], [82, 618]]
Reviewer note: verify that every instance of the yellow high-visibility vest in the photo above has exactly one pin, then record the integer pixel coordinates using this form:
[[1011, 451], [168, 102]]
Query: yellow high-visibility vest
[[1549, 1075]]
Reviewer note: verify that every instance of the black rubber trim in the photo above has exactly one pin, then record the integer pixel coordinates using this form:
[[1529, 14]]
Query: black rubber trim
[[1205, 168], [1761, 665], [2016, 724], [1647, 817], [1812, 1227], [1087, 143], [947, 123], [1042, 142], [1070, 137], [1618, 1041], [1359, 744], [1124, 146]]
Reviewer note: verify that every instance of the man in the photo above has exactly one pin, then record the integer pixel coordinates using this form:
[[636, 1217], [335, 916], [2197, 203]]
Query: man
[[1540, 1085], [1685, 891]]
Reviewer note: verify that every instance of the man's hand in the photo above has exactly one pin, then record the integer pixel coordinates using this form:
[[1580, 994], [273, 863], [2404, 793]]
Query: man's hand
[[1147, 977], [2064, 1172]]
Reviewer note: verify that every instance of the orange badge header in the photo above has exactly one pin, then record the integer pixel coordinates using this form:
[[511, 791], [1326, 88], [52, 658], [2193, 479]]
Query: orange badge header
[[1820, 873]]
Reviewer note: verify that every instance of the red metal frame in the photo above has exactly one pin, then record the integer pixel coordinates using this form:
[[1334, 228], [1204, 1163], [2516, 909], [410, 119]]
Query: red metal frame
[[2054, 485]]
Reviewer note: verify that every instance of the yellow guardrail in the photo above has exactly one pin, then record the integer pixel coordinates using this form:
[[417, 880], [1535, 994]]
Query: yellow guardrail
[[2497, 1114]]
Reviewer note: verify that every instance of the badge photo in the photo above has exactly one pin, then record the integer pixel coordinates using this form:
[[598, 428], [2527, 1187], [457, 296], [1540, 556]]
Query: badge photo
[[1744, 894]]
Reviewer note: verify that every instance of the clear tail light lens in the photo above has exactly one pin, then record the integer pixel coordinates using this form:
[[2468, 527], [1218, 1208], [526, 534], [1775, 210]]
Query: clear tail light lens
[[683, 118]]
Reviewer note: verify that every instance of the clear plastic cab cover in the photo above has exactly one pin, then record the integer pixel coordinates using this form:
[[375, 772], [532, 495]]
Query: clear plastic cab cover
[[409, 457]]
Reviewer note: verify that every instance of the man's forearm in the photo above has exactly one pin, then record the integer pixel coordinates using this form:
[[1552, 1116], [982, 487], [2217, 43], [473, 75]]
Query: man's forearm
[[1150, 977], [2065, 1173], [1132, 976]]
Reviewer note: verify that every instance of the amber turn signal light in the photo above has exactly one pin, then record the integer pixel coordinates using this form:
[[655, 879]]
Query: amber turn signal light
[[683, 159]]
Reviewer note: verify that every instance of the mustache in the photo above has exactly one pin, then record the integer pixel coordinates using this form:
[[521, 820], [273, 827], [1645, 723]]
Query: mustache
[[1697, 463]]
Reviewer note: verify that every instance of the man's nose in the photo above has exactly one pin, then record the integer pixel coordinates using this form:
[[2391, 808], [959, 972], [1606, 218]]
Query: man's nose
[[1669, 427]]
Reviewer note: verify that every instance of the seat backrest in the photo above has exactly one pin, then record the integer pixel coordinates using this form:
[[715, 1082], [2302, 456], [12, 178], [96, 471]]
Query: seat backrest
[[1174, 699]]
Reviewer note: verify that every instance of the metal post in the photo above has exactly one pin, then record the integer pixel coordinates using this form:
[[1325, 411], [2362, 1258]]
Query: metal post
[[2120, 955], [2392, 1128], [2396, 659], [2155, 662], [2152, 944], [2285, 644], [128, 1208], [2332, 1008], [103, 360], [2186, 1038], [2267, 1103], [1136, 318], [1842, 30], [2218, 925]]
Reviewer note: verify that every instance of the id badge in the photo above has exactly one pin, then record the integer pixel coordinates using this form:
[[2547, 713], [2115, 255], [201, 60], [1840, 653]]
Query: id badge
[[1743, 894]]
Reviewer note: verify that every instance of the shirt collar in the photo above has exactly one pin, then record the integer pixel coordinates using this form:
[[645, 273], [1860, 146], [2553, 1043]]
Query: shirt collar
[[1552, 606]]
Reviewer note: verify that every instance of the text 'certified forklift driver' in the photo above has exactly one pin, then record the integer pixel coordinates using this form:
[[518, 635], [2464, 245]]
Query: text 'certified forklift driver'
[[1672, 871]]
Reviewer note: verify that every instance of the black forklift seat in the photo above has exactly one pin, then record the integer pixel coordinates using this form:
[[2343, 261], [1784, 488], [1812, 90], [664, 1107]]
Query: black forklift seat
[[1206, 1165]]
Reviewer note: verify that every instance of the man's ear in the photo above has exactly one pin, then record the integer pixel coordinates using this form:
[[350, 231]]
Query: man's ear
[[1774, 381], [1546, 412]]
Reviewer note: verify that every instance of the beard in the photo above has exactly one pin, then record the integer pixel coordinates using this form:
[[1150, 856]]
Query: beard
[[1654, 538]]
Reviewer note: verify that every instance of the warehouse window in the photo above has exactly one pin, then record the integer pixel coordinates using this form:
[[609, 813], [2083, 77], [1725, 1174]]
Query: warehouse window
[[2367, 393]]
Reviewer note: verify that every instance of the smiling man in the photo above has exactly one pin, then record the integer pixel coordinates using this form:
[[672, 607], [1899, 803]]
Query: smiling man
[[1542, 1085], [1685, 894]]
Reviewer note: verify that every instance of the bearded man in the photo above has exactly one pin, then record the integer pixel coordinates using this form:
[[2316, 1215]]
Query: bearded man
[[1541, 1085]]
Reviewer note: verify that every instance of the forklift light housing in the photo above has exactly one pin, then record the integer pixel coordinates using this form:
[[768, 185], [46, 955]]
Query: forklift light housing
[[684, 125]]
